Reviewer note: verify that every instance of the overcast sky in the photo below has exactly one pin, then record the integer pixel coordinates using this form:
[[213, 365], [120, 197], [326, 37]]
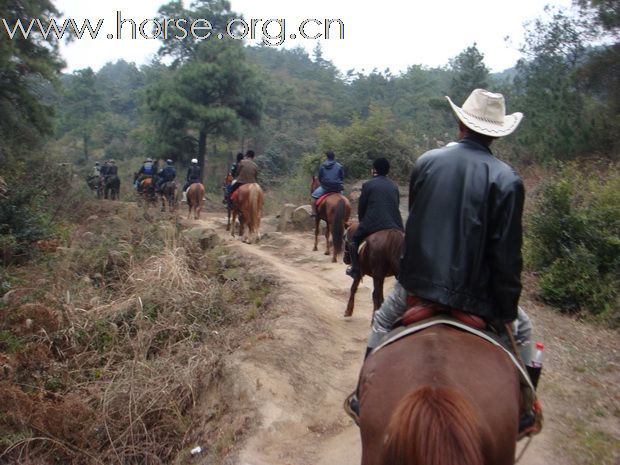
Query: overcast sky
[[385, 34]]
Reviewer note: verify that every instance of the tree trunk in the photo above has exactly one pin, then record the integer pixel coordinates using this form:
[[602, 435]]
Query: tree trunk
[[202, 151]]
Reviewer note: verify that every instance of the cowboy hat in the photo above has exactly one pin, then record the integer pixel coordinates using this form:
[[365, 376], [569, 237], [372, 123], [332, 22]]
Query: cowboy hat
[[484, 112]]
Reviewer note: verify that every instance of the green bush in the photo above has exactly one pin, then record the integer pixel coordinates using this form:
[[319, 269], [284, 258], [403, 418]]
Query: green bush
[[573, 241], [364, 140]]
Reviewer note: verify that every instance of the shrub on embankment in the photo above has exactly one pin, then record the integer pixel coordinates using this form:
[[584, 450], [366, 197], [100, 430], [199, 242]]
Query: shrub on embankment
[[573, 240]]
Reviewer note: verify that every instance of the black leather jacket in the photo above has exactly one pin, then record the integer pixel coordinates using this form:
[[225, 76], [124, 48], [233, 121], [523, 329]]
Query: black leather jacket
[[463, 235], [378, 207]]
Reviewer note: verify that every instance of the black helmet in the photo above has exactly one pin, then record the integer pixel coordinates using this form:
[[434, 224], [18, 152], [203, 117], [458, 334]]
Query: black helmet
[[169, 161]]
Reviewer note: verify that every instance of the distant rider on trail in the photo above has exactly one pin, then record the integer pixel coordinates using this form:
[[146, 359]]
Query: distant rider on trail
[[193, 175], [147, 170], [331, 177], [167, 174]]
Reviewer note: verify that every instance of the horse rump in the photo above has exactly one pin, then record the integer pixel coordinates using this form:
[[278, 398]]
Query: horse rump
[[195, 195]]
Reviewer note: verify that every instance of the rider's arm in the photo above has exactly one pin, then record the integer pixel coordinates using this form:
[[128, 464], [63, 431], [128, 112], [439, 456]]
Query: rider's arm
[[412, 180], [504, 250], [393, 308], [363, 203]]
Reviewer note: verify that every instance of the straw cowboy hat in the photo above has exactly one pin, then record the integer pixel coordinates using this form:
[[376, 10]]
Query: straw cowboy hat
[[485, 113]]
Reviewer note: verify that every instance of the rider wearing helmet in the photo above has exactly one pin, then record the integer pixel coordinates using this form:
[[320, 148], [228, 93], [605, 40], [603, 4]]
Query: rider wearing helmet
[[147, 170], [193, 174], [167, 174]]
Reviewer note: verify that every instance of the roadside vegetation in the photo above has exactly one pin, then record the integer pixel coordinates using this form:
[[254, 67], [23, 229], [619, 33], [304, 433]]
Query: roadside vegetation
[[110, 343]]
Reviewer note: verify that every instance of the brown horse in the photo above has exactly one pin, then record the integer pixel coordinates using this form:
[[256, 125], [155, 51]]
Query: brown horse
[[379, 257], [335, 210], [111, 186], [441, 396], [168, 194], [146, 190], [248, 206], [195, 197]]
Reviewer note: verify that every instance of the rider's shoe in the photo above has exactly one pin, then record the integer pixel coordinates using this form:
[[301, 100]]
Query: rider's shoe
[[352, 407], [353, 272]]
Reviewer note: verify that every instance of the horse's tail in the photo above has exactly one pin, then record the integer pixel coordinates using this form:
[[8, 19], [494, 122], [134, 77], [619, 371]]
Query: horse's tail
[[338, 226], [253, 207], [433, 426]]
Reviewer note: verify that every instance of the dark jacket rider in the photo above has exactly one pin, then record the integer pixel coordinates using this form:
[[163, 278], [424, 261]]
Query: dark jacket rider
[[193, 174], [378, 209], [167, 174]]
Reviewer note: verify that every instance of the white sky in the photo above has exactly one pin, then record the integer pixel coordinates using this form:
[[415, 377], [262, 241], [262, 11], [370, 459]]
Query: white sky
[[387, 34]]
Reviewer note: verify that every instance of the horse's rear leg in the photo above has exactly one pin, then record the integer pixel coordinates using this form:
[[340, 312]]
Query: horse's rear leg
[[317, 221], [377, 292], [242, 230], [232, 224], [351, 304], [327, 231]]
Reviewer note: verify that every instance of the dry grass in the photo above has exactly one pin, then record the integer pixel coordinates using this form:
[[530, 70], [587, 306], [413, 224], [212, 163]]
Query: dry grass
[[106, 361]]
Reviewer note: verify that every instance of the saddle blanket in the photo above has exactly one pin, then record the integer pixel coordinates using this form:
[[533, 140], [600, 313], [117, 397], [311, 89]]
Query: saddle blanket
[[403, 331], [320, 200]]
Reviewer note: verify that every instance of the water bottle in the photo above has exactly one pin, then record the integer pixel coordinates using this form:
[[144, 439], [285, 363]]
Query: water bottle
[[536, 364]]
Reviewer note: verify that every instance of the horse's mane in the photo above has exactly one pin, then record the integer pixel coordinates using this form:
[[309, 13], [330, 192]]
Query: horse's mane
[[433, 426]]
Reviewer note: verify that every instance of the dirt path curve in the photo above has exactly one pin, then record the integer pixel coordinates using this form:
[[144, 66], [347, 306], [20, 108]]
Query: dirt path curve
[[297, 379]]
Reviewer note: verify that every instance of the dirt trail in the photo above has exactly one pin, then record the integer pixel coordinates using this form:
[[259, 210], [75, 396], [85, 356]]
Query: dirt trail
[[297, 379]]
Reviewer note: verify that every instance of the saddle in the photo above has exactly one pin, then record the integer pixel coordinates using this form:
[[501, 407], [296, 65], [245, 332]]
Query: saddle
[[422, 309], [320, 200], [234, 195]]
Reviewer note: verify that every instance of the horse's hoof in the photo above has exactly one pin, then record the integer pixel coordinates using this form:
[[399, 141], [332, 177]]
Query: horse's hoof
[[326, 252]]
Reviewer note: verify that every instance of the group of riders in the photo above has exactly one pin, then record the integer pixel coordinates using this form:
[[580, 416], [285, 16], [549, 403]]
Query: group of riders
[[463, 235], [158, 178], [242, 171], [102, 175]]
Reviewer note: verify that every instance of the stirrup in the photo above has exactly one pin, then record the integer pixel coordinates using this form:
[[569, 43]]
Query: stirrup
[[352, 407], [531, 423]]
